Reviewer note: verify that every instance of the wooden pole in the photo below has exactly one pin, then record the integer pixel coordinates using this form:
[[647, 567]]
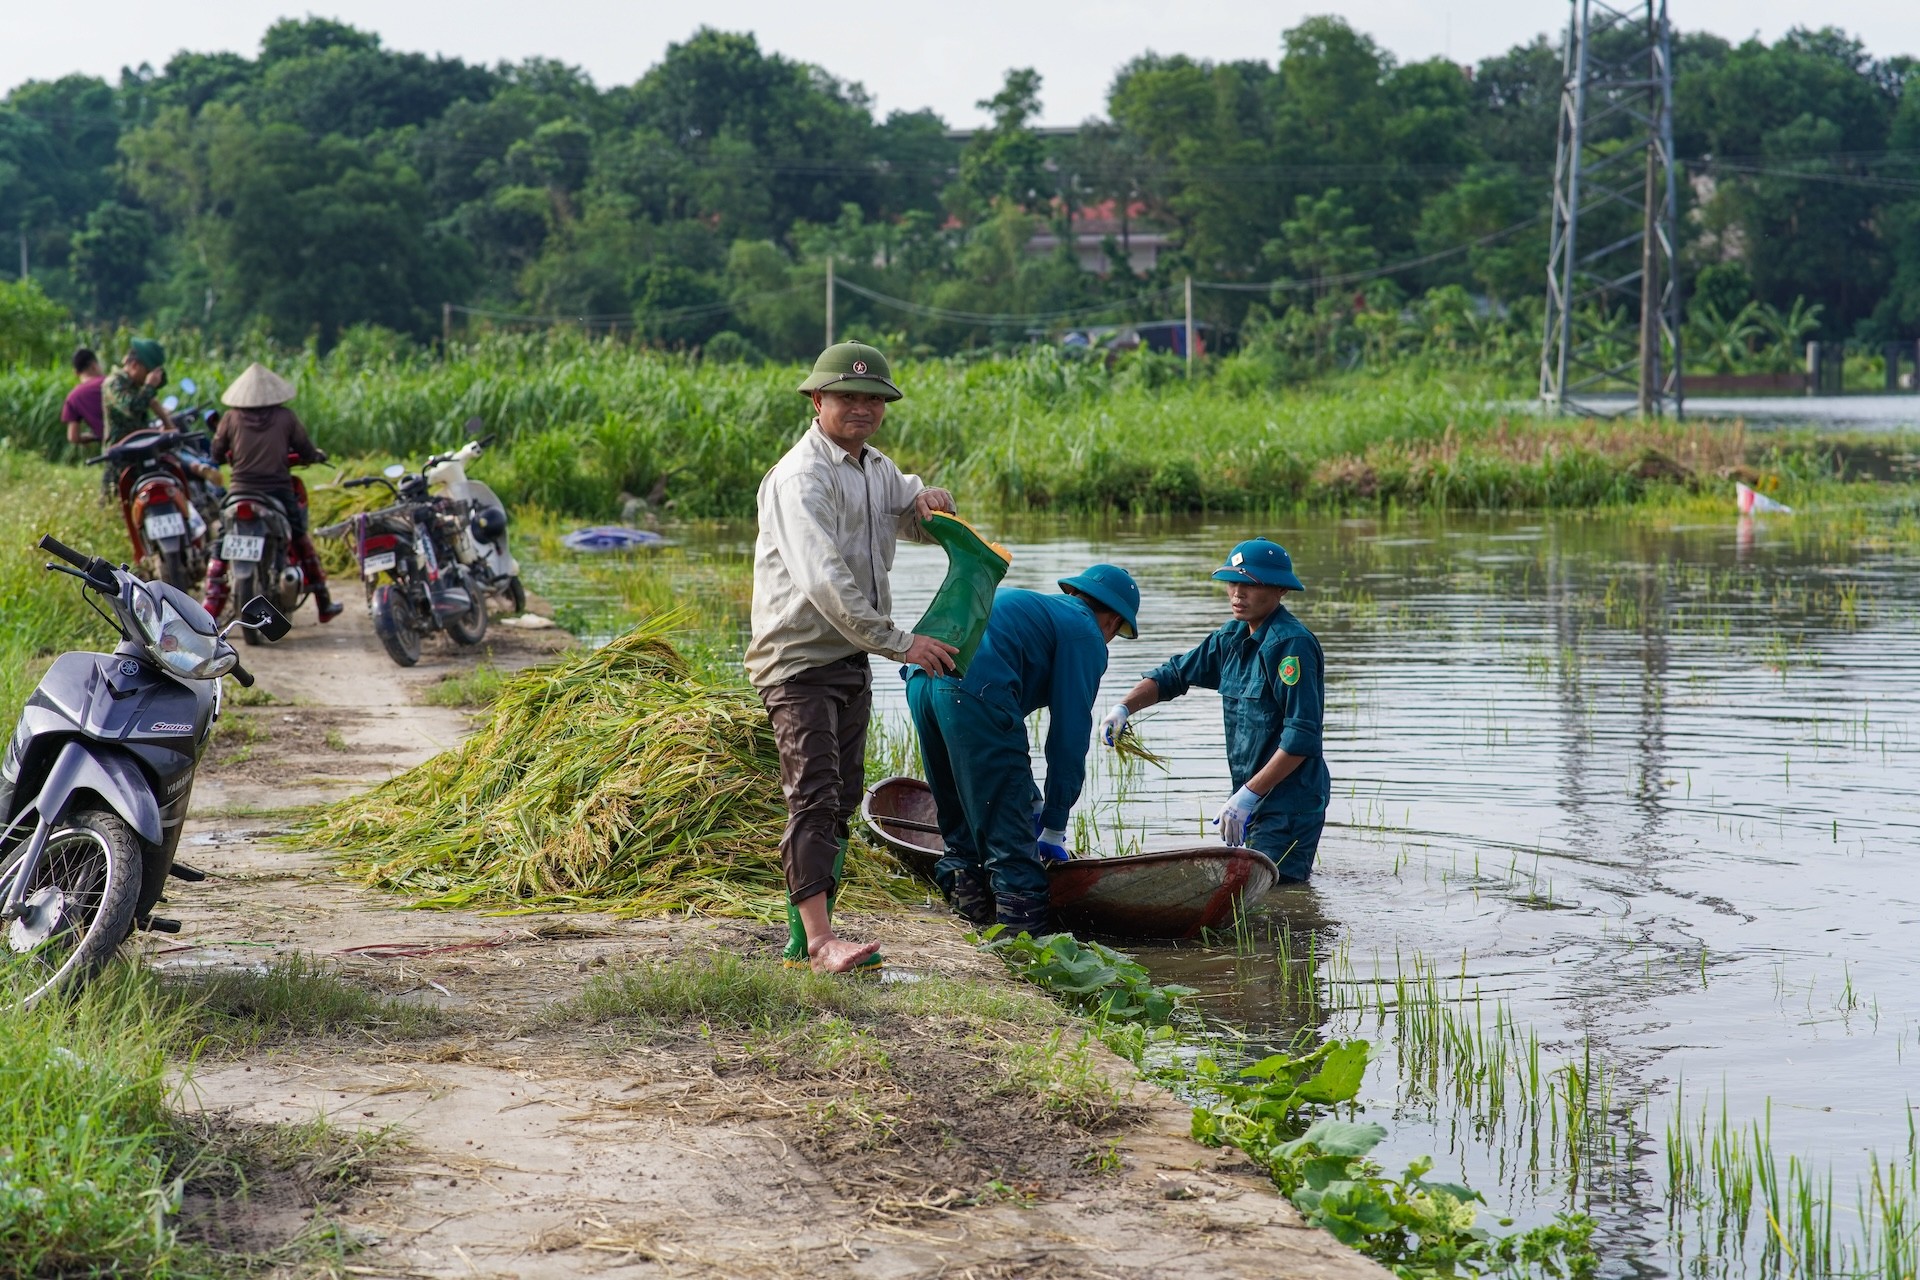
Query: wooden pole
[[1189, 293], [829, 299]]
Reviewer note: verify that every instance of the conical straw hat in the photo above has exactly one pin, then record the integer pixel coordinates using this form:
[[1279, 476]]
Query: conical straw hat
[[258, 388]]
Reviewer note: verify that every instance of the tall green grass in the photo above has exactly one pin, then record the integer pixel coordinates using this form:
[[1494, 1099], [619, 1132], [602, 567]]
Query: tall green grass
[[42, 614], [584, 422]]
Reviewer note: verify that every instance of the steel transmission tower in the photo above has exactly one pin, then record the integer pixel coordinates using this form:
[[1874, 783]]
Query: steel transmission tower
[[1610, 265]]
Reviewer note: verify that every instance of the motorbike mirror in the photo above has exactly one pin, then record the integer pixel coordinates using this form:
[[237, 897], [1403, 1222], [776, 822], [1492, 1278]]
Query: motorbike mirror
[[475, 425], [189, 386], [170, 403], [260, 614], [394, 472]]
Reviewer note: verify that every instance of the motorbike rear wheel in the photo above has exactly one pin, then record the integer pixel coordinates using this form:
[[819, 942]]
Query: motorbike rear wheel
[[243, 591], [470, 628], [175, 571], [517, 592], [394, 623], [79, 904]]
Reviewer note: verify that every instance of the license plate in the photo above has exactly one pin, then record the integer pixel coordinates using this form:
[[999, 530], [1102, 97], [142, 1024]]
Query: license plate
[[238, 546], [377, 563], [166, 524]]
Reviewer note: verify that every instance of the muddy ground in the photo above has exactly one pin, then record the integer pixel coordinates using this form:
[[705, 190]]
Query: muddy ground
[[527, 1141]]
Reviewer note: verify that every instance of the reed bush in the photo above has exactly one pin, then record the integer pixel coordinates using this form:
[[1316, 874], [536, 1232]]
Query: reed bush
[[619, 779], [585, 423]]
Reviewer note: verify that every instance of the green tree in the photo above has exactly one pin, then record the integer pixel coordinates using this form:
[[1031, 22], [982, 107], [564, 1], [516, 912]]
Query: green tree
[[112, 258], [1007, 161]]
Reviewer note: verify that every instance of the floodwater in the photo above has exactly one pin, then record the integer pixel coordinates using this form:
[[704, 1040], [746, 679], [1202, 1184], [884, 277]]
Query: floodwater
[[1648, 792]]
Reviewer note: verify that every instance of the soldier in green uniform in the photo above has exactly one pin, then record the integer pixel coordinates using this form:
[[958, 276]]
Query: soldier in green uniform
[[1271, 677], [126, 397]]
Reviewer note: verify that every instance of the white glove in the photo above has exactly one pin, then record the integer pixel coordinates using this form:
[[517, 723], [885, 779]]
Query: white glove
[[1235, 816], [1115, 724]]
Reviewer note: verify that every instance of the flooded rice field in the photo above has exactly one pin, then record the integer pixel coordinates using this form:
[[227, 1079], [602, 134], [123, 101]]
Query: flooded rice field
[[1618, 877]]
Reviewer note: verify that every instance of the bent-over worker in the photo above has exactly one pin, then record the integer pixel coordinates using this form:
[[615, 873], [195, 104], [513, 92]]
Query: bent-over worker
[[831, 512], [1271, 676], [1039, 651], [258, 434]]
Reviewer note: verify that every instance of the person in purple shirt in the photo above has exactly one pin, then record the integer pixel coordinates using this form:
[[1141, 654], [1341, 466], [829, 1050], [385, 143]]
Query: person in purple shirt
[[82, 408]]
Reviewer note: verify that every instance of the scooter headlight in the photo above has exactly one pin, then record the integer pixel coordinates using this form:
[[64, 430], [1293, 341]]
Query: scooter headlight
[[177, 646]]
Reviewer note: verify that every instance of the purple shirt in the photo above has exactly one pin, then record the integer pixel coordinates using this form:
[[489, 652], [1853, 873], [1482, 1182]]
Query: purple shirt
[[83, 405]]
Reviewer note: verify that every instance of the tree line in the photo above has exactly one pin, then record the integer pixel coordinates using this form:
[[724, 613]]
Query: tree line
[[330, 183]]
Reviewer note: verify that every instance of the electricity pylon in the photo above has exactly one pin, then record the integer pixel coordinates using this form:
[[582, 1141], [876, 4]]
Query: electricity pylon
[[1610, 262]]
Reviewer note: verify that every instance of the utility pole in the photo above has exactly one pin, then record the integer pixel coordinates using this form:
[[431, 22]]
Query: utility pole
[[1616, 104], [23, 253], [1189, 294], [446, 329], [829, 299]]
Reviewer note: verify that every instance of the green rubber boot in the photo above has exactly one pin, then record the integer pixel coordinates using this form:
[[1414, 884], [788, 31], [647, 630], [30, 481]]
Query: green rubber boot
[[958, 614], [796, 952]]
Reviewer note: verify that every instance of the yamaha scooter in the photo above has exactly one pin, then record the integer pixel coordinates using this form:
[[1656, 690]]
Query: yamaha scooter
[[96, 780]]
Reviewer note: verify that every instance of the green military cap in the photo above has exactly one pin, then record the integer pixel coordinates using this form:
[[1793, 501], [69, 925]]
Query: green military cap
[[148, 352], [852, 367]]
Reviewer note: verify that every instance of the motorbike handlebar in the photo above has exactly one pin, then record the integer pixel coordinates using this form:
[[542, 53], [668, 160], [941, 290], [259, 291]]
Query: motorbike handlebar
[[244, 676], [97, 460], [97, 572], [54, 546]]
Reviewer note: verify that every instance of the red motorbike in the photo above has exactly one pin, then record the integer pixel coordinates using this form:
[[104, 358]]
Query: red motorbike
[[156, 486]]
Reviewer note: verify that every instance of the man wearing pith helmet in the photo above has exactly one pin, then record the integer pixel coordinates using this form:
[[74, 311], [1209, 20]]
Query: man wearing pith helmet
[[831, 511], [1271, 677]]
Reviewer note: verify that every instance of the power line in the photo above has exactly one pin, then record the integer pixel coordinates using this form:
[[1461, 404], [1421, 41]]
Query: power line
[[1371, 273], [998, 317]]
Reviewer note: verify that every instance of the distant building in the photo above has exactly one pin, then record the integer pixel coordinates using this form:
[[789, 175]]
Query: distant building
[[1092, 227]]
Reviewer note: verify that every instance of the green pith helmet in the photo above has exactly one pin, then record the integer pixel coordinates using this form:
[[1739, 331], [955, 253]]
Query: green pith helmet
[[852, 367]]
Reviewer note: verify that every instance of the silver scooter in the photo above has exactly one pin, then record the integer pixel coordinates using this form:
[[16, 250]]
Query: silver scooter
[[482, 543], [96, 781]]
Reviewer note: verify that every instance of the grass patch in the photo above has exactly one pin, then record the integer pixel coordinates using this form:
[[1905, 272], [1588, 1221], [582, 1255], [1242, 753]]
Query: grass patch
[[100, 1176], [297, 996], [716, 989], [615, 779], [478, 687]]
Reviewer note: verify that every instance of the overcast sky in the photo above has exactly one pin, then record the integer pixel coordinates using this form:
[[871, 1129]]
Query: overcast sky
[[909, 55]]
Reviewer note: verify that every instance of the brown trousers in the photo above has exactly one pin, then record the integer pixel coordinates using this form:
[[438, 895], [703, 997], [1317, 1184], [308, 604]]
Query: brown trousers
[[820, 726]]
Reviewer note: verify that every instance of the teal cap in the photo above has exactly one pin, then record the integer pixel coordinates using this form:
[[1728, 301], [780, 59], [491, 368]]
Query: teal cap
[[148, 352], [1261, 561], [1114, 587]]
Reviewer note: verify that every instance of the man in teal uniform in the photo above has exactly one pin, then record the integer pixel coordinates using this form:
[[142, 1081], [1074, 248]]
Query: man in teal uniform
[[1271, 677], [1039, 651]]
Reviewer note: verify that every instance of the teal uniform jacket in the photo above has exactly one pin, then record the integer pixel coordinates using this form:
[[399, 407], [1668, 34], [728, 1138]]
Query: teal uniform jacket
[[1044, 651], [1272, 694]]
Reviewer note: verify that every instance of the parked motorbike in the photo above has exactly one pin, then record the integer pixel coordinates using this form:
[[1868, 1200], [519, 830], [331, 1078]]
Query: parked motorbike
[[155, 486], [415, 582], [96, 780], [257, 548], [195, 452], [481, 543]]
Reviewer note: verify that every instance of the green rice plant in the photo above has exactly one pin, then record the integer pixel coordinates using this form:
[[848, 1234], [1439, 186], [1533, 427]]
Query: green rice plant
[[615, 779]]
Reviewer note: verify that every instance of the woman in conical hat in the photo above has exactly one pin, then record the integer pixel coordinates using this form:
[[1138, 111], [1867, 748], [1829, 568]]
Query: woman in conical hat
[[257, 436]]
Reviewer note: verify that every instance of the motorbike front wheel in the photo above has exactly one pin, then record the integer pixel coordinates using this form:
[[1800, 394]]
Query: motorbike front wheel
[[517, 592], [393, 622], [79, 904]]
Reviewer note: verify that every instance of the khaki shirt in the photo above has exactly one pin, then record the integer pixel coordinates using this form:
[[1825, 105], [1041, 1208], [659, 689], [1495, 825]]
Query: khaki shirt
[[828, 527]]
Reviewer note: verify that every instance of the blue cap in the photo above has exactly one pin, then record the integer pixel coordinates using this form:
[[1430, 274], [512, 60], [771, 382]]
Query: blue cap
[[1261, 561], [1112, 586]]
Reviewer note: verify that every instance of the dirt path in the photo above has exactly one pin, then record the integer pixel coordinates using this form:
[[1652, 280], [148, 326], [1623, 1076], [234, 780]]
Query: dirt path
[[538, 1149]]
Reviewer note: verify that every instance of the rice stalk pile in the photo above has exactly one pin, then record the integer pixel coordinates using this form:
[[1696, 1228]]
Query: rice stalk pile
[[616, 780]]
